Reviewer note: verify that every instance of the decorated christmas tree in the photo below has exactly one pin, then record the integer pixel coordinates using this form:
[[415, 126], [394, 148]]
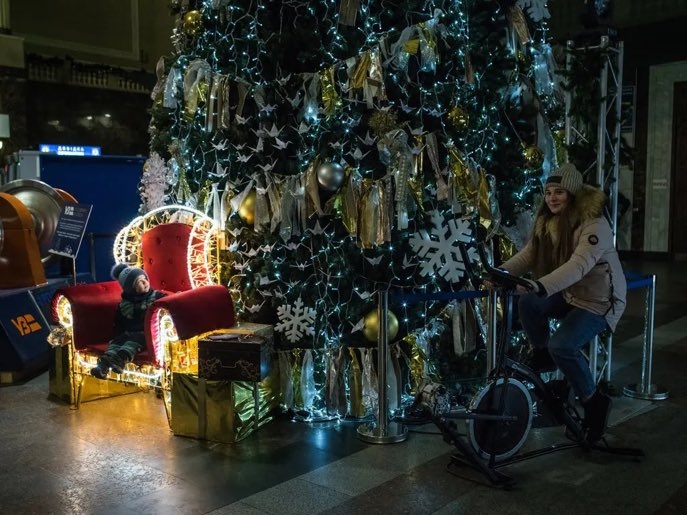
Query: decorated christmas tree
[[347, 147]]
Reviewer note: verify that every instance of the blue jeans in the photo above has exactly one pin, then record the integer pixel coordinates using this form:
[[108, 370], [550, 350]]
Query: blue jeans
[[577, 327]]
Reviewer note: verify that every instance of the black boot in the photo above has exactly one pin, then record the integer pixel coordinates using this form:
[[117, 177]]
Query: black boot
[[98, 372], [101, 369], [596, 412]]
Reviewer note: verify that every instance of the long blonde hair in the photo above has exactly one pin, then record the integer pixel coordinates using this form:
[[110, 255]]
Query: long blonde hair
[[553, 237]]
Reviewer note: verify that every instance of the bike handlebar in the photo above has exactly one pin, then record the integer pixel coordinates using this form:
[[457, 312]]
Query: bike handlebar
[[498, 275]]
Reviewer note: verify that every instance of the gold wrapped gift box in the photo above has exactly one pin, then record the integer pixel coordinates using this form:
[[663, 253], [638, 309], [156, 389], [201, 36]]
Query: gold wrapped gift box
[[224, 410], [220, 411]]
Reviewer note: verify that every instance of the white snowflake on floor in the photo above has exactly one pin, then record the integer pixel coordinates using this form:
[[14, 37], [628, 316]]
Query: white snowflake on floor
[[536, 9], [439, 249], [295, 321]]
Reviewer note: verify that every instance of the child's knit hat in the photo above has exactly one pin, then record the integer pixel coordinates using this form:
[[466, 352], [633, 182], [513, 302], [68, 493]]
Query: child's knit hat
[[566, 177], [127, 275]]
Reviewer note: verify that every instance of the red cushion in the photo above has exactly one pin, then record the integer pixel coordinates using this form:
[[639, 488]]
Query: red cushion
[[164, 249], [197, 311], [93, 311]]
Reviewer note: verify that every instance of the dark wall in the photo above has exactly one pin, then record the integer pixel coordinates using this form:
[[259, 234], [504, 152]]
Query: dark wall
[[64, 114], [645, 46]]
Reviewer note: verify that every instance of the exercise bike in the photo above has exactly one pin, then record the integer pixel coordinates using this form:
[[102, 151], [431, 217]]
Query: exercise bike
[[499, 417]]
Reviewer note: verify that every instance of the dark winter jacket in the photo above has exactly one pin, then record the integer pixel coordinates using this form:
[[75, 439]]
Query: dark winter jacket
[[593, 277], [130, 315]]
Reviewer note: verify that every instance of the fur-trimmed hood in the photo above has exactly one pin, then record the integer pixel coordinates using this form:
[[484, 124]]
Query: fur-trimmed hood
[[589, 204]]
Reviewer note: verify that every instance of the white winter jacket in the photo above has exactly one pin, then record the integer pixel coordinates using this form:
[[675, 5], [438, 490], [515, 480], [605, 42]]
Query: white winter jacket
[[593, 277]]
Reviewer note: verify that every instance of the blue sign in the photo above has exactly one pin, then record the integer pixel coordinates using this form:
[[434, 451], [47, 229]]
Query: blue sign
[[25, 330], [69, 150], [70, 229]]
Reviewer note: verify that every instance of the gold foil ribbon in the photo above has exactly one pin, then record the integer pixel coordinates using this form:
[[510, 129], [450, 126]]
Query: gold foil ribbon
[[330, 98], [417, 362], [361, 70], [373, 218], [183, 189], [348, 12], [296, 375], [196, 86], [464, 189], [519, 24], [355, 386], [506, 247], [411, 46], [483, 201]]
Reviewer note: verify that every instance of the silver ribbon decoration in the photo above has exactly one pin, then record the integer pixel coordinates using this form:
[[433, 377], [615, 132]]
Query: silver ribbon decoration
[[374, 85], [170, 98], [214, 108], [433, 154], [428, 55], [262, 210], [351, 202], [308, 390], [293, 207], [395, 153], [311, 94], [275, 200]]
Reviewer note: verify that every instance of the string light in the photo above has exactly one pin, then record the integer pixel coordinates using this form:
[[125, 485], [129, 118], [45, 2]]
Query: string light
[[454, 56]]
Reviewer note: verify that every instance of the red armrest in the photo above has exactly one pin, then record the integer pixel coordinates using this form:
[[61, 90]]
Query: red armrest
[[93, 311], [194, 312]]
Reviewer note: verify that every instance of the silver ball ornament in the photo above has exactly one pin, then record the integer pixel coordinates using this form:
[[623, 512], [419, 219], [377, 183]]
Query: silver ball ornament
[[330, 176]]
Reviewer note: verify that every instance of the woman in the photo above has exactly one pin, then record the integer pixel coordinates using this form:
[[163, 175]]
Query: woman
[[578, 280]]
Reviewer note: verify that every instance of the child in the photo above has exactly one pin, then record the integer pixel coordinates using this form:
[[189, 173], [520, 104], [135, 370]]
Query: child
[[129, 337]]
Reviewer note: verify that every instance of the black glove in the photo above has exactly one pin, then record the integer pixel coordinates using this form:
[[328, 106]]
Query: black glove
[[536, 287]]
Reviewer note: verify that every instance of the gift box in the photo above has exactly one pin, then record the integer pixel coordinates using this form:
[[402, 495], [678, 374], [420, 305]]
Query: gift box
[[234, 357], [219, 411]]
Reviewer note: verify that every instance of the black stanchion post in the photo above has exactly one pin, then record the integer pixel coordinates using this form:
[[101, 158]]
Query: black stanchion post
[[491, 331], [384, 431]]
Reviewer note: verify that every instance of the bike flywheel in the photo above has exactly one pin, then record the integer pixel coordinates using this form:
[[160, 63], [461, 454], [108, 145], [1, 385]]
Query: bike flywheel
[[495, 438]]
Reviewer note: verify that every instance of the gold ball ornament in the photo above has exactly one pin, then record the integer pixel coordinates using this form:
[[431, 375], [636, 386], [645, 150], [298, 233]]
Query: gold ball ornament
[[459, 117], [247, 208], [533, 156], [371, 326], [192, 22]]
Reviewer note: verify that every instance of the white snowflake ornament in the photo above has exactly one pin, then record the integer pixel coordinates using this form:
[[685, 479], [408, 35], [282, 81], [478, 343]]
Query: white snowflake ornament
[[439, 250], [536, 9], [295, 321]]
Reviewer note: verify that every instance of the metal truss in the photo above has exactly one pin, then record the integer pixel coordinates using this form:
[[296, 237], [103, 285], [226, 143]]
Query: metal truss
[[606, 133], [607, 163]]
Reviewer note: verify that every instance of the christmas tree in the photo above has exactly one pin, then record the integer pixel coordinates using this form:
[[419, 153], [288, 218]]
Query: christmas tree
[[348, 147]]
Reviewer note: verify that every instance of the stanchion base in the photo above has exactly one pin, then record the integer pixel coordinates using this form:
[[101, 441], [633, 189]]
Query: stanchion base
[[371, 433], [652, 393]]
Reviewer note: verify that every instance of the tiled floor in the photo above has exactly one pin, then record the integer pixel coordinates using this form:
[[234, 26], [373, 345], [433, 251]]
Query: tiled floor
[[118, 455]]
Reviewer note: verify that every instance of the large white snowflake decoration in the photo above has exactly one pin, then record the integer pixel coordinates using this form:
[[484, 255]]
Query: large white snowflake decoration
[[439, 249], [536, 9], [295, 321]]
